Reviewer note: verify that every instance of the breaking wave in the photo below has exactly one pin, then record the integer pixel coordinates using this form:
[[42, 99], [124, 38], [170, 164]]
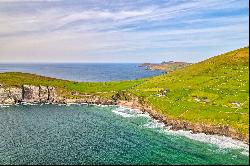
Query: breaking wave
[[222, 142], [127, 112]]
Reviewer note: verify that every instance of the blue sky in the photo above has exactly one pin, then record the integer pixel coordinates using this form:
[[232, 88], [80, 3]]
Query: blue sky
[[120, 30]]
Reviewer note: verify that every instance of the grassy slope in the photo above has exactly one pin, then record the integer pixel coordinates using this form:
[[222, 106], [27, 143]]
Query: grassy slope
[[104, 89], [218, 81]]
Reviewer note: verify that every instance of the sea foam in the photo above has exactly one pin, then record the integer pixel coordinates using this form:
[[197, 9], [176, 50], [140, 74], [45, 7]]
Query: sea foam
[[127, 112], [4, 106], [222, 142]]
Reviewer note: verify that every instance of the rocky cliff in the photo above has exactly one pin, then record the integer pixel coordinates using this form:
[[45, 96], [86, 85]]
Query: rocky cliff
[[46, 94], [28, 93]]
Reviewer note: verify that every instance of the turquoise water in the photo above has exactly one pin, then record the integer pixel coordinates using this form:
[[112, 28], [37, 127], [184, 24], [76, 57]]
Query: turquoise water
[[80, 134]]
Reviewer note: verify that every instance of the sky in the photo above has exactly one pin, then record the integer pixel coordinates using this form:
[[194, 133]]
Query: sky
[[120, 31]]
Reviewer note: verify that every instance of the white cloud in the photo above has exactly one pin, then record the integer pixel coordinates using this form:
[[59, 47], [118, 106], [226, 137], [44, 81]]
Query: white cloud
[[24, 1], [92, 32]]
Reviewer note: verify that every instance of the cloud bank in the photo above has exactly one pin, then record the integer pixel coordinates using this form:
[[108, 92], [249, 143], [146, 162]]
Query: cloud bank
[[120, 31]]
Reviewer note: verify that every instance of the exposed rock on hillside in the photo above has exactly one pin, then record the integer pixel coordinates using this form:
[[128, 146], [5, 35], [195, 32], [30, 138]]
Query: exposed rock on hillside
[[43, 93], [28, 93], [16, 94], [52, 95]]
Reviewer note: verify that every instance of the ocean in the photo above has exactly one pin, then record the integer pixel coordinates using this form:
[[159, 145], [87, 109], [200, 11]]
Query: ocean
[[92, 134], [87, 72], [81, 134]]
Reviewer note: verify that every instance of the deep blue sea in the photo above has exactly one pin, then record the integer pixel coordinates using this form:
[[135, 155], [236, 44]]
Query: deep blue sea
[[88, 72]]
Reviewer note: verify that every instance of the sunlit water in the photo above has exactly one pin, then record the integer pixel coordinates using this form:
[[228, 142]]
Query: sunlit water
[[90, 72], [81, 134]]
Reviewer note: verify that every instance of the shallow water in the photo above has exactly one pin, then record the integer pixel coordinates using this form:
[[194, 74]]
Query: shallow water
[[80, 134], [90, 72]]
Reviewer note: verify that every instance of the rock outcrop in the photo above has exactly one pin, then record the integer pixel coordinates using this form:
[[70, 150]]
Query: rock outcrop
[[10, 95], [28, 93], [52, 94], [3, 95], [16, 94], [43, 94]]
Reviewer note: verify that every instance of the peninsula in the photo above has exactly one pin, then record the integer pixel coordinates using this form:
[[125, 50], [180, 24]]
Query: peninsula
[[211, 96], [165, 66]]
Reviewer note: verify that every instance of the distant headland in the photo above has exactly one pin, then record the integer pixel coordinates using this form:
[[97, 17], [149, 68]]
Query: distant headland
[[165, 66]]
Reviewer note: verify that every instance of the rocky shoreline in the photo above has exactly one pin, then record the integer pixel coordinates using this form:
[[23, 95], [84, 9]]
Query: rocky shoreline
[[175, 124], [48, 94]]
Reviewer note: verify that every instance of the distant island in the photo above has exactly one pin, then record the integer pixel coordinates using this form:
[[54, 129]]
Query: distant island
[[165, 66]]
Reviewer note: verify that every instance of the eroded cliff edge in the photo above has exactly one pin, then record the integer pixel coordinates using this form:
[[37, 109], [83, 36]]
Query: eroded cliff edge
[[45, 94], [28, 93], [49, 94]]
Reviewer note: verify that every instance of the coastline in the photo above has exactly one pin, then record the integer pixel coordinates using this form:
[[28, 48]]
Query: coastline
[[42, 94], [175, 125], [222, 141]]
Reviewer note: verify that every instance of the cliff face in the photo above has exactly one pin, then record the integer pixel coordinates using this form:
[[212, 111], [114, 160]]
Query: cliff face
[[28, 93], [45, 94]]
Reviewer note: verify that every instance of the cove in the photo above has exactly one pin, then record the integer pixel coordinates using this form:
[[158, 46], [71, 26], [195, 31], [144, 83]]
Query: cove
[[81, 134]]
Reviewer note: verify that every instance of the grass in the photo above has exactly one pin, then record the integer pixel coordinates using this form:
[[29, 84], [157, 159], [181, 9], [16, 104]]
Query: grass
[[216, 83], [16, 79], [199, 93]]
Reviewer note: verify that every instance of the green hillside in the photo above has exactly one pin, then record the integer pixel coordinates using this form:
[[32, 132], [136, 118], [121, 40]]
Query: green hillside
[[214, 91]]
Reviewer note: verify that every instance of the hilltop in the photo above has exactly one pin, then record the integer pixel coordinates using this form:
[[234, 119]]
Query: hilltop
[[211, 96]]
